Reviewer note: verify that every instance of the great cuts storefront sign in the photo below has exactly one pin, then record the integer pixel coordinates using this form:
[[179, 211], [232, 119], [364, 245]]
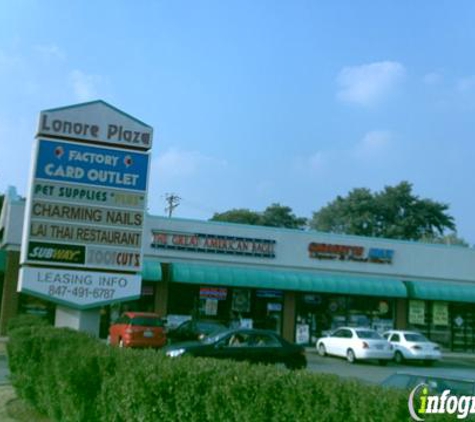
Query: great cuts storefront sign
[[86, 206], [212, 243]]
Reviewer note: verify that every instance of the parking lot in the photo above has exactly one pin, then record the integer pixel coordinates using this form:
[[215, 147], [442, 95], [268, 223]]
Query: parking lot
[[372, 372]]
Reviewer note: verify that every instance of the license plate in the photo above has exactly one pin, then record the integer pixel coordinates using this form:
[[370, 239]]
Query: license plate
[[148, 334]]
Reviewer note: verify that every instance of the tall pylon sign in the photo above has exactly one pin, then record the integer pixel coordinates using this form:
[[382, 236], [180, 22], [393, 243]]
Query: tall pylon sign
[[82, 238]]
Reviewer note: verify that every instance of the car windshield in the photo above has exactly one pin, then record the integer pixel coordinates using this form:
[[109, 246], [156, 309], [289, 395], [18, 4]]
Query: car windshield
[[415, 337], [214, 337], [146, 322], [368, 334]]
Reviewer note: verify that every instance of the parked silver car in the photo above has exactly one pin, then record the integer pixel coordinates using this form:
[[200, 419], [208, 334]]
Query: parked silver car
[[410, 345], [356, 344]]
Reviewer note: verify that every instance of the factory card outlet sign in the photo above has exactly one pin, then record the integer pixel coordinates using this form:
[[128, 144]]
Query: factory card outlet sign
[[96, 122], [210, 243], [78, 289], [326, 251], [70, 162]]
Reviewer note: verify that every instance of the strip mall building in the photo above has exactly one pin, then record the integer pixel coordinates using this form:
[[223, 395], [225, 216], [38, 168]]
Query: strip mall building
[[300, 283]]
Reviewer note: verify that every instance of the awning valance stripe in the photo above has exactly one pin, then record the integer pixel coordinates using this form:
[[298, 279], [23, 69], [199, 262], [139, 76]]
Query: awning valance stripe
[[151, 270], [287, 280], [440, 290]]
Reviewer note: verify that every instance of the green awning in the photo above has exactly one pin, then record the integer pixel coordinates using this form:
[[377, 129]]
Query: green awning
[[285, 280], [151, 270], [3, 261], [445, 291]]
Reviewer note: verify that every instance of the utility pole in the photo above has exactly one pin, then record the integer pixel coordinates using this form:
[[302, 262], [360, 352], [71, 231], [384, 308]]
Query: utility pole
[[173, 201]]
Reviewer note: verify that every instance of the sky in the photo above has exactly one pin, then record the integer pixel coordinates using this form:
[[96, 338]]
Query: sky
[[255, 102]]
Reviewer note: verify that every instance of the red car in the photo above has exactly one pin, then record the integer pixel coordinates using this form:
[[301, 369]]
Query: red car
[[138, 329]]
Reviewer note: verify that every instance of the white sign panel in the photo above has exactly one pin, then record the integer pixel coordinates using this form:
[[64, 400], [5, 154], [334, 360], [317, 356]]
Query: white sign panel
[[98, 122], [79, 289]]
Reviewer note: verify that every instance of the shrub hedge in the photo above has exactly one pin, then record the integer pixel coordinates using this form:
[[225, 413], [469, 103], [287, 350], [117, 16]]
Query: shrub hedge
[[71, 376]]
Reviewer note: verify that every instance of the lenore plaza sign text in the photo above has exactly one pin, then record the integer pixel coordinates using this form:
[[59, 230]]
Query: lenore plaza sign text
[[86, 206], [96, 122]]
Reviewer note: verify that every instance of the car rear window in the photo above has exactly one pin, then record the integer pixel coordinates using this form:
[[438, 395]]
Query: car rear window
[[368, 335], [415, 337], [147, 322]]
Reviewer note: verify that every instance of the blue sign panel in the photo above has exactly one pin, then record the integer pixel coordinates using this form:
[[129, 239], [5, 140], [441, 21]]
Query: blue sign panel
[[90, 165]]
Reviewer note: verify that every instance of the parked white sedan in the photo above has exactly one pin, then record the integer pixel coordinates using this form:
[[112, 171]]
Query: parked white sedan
[[410, 345], [356, 344]]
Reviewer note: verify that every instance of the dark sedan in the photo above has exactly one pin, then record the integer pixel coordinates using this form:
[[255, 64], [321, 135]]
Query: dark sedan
[[195, 330], [256, 346]]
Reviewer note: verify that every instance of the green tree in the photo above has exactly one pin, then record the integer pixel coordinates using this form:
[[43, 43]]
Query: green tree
[[394, 213], [274, 215], [277, 215], [447, 239], [241, 216]]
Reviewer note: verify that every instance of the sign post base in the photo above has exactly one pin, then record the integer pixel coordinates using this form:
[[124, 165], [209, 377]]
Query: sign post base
[[87, 320]]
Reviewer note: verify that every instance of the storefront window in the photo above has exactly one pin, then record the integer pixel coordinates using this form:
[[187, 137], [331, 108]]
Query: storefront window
[[322, 313], [463, 327], [440, 330]]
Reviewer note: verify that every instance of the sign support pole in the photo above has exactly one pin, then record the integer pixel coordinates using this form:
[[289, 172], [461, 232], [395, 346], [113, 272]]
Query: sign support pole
[[81, 320]]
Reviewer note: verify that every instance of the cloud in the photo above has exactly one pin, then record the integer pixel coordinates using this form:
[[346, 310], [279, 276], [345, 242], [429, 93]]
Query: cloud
[[84, 85], [374, 147], [432, 78], [368, 84], [374, 144], [466, 84], [175, 163]]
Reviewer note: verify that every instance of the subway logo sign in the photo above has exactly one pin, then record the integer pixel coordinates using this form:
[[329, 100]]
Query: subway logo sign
[[56, 252]]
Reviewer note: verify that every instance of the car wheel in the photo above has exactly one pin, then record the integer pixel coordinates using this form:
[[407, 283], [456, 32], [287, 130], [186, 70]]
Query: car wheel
[[350, 356], [321, 350], [398, 357]]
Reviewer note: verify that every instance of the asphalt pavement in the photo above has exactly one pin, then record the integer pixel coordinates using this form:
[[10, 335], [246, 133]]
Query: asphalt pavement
[[370, 371]]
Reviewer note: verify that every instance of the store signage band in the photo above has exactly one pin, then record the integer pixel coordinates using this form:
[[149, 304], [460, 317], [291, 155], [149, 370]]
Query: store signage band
[[210, 243], [326, 251]]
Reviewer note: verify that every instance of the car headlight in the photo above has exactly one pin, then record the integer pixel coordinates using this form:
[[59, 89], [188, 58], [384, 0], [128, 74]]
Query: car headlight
[[175, 353]]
